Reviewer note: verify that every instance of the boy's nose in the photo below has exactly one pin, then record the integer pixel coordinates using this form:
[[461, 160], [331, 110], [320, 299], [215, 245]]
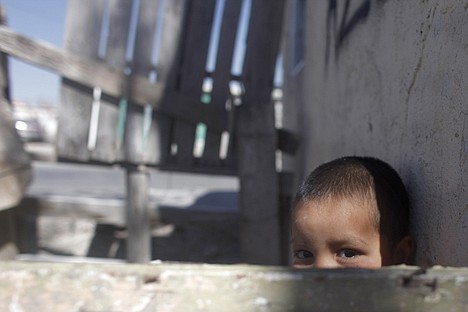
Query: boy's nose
[[325, 262]]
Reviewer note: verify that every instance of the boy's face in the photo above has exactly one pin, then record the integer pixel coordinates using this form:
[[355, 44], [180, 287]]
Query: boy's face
[[337, 233]]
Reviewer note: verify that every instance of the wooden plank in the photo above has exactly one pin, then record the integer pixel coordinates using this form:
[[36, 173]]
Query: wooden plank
[[88, 73], [138, 146], [74, 119], [189, 110], [171, 42], [194, 55], [256, 138], [106, 149], [168, 70], [221, 78], [168, 67], [84, 19]]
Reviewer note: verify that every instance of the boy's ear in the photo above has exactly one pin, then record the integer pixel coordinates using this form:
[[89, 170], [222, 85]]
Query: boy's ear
[[404, 251]]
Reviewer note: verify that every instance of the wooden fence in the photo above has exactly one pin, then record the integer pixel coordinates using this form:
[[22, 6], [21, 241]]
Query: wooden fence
[[137, 91], [126, 127]]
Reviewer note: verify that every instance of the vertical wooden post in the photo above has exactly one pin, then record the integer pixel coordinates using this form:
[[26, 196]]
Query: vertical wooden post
[[138, 225], [256, 138]]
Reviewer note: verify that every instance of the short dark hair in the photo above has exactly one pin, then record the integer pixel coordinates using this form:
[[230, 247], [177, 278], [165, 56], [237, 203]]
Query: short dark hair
[[355, 175]]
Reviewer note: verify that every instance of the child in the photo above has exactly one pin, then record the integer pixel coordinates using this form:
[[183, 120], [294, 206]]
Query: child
[[351, 212]]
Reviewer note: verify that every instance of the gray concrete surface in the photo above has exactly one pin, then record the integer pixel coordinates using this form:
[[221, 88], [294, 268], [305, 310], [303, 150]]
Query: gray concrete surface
[[183, 287], [390, 79]]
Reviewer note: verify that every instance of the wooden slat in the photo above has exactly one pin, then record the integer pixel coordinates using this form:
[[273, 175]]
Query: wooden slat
[[138, 148], [168, 65], [89, 73], [260, 228], [115, 56], [221, 78], [83, 19], [196, 42], [170, 50]]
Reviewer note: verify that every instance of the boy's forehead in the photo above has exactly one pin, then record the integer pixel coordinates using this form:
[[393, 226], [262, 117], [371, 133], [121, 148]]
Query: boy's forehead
[[334, 219], [354, 201], [350, 206]]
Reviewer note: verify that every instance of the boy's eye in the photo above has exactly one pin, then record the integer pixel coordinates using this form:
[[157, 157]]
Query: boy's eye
[[303, 254], [347, 253]]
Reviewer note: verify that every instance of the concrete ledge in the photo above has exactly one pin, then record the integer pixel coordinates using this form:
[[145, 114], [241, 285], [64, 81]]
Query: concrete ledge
[[189, 287]]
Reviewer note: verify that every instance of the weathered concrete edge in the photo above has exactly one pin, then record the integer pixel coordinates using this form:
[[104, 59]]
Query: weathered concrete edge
[[202, 287]]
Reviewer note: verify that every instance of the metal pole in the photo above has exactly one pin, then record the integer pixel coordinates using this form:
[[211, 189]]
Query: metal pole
[[138, 223]]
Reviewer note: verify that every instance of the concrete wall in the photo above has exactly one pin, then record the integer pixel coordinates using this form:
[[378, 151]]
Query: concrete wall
[[390, 79], [188, 287]]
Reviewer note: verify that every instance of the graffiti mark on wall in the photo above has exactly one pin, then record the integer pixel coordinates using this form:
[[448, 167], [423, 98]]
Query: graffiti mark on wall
[[342, 21]]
